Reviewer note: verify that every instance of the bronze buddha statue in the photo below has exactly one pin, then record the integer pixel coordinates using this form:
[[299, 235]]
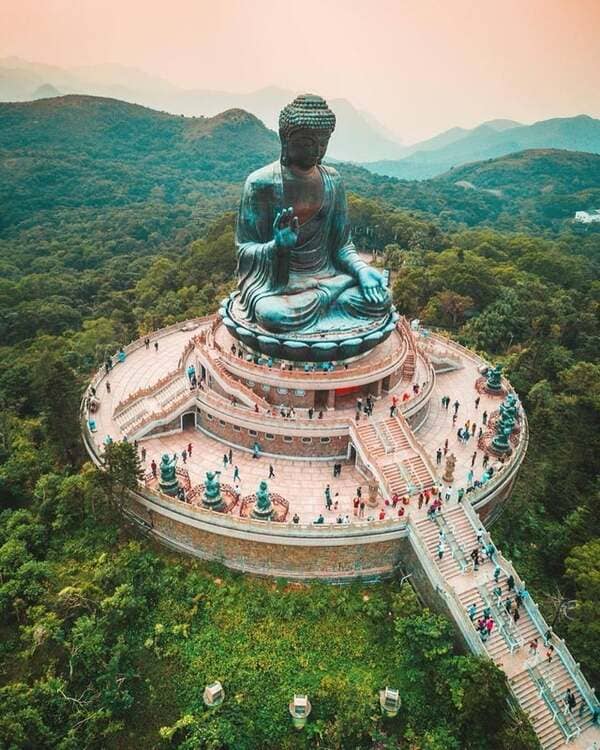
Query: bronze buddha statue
[[300, 277]]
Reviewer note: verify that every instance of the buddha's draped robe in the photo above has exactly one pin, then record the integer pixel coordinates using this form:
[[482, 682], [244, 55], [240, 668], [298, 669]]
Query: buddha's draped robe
[[294, 290]]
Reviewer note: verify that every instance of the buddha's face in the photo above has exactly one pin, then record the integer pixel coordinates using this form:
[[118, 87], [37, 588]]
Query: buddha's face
[[306, 147]]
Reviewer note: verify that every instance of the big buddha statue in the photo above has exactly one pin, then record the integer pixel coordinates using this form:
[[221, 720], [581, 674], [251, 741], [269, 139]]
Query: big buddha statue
[[304, 293]]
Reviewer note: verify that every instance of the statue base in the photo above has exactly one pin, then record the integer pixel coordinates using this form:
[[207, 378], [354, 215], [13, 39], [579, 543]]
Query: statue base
[[324, 343], [169, 488], [213, 503], [262, 515]]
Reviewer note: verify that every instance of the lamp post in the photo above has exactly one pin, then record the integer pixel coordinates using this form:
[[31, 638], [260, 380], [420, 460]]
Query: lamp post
[[389, 701], [299, 709]]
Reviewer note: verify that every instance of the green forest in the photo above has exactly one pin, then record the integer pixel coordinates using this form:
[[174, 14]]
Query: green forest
[[117, 220]]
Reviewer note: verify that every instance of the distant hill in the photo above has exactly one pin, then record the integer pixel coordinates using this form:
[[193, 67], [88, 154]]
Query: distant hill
[[72, 153], [89, 151], [580, 133], [358, 136]]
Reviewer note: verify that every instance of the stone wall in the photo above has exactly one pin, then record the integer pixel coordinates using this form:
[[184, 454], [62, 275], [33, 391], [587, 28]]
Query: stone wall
[[304, 447], [307, 560]]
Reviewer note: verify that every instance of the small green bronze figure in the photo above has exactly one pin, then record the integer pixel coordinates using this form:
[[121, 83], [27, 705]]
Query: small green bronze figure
[[263, 508], [494, 379], [168, 479], [212, 492]]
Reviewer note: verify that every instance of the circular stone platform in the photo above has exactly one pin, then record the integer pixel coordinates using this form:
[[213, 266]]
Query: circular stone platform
[[278, 417]]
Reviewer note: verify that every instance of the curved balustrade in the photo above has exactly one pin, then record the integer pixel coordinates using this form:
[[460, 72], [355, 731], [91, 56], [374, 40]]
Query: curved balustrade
[[242, 415], [297, 378]]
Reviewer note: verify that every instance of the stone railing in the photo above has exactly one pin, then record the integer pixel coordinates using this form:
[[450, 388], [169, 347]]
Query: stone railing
[[369, 460], [162, 416], [239, 414], [218, 370], [587, 692], [439, 585], [149, 390]]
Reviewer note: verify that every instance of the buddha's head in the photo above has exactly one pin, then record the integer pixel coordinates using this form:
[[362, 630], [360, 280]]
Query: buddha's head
[[305, 127]]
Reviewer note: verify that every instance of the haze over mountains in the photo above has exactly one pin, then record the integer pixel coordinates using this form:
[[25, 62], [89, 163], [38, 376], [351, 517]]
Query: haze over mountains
[[488, 141], [358, 136]]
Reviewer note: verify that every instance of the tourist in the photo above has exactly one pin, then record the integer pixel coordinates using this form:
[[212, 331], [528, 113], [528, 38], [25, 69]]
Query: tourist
[[454, 419], [473, 429], [548, 635], [189, 449], [359, 404], [230, 456], [311, 411], [143, 452], [420, 500], [256, 408], [508, 605], [382, 514], [438, 456], [256, 451], [271, 472], [533, 647], [480, 433], [475, 558], [456, 405], [224, 460], [320, 519], [460, 495], [440, 549], [550, 654], [346, 519], [156, 346], [448, 494], [236, 474], [510, 582], [484, 417], [320, 415], [153, 467], [477, 400], [339, 519], [147, 343], [472, 611], [470, 477], [497, 592], [296, 518], [570, 700], [486, 460], [489, 624], [184, 456], [107, 387], [392, 410], [359, 491], [497, 572], [516, 615], [361, 509], [473, 458], [445, 446], [328, 501], [401, 511]]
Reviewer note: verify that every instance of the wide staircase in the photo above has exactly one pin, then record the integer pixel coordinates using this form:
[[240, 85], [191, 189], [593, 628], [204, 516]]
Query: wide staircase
[[397, 455], [538, 685]]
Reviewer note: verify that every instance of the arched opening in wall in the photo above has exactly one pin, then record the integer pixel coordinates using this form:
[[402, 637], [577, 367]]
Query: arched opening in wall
[[385, 383], [352, 453], [188, 420], [203, 372]]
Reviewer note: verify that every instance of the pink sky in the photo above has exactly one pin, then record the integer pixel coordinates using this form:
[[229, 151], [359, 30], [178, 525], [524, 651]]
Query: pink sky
[[419, 66]]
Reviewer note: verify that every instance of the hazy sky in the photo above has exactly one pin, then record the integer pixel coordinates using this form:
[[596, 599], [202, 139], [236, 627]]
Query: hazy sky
[[419, 66]]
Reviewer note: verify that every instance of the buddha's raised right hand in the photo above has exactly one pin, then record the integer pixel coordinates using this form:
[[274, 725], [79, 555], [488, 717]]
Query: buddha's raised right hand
[[286, 229]]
